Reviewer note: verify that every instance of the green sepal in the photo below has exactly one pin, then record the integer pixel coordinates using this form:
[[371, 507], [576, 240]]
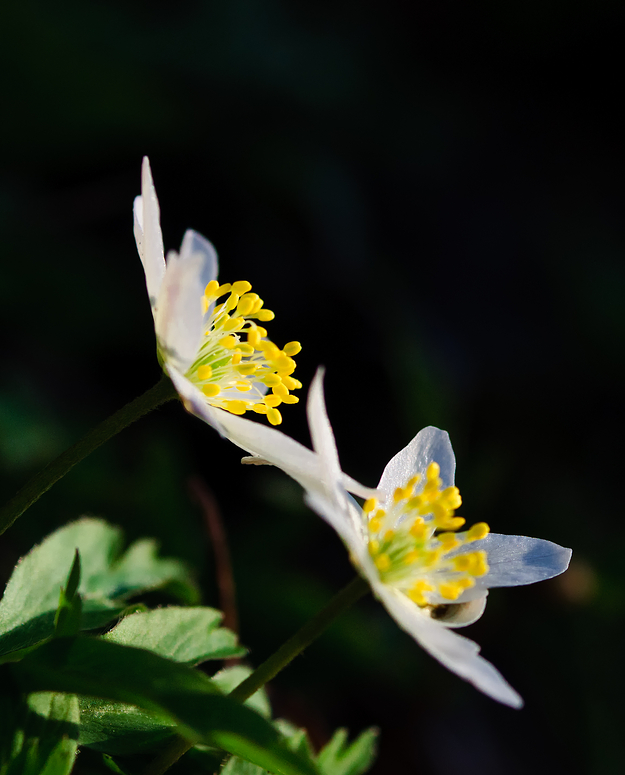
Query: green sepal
[[339, 757], [96, 667]]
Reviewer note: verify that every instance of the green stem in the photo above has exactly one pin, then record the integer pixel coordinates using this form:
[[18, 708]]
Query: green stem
[[161, 392], [315, 627]]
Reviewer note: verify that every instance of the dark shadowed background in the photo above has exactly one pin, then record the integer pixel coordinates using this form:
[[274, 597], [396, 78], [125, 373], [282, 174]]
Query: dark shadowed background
[[430, 197]]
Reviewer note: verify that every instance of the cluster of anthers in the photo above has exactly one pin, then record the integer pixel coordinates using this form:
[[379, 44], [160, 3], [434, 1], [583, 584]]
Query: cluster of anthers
[[238, 369], [413, 540]]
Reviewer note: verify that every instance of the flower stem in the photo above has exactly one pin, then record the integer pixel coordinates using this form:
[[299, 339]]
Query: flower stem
[[315, 627], [161, 392]]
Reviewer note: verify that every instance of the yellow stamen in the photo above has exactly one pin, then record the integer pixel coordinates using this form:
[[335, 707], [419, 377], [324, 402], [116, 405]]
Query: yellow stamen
[[204, 372], [274, 416], [292, 348], [211, 390]]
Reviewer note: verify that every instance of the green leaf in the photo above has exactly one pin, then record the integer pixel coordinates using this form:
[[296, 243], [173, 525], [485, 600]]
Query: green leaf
[[69, 613], [100, 668], [28, 607], [187, 635], [46, 735], [340, 758], [230, 677]]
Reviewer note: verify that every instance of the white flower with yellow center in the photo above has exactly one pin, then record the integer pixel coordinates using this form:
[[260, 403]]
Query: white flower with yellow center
[[210, 337], [408, 545]]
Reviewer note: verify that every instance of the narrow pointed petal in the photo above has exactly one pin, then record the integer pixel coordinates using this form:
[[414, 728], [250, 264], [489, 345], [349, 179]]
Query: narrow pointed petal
[[260, 440], [147, 229], [455, 652], [179, 316], [194, 244], [429, 445], [321, 432], [517, 560]]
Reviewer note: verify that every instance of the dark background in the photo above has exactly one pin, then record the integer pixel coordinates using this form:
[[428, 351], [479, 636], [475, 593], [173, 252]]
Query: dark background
[[430, 197]]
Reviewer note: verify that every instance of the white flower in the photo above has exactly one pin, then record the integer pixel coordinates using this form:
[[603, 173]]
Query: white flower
[[429, 577], [217, 354], [216, 379]]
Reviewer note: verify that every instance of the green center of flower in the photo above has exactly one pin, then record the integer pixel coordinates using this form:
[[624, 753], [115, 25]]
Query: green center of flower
[[413, 542], [238, 369]]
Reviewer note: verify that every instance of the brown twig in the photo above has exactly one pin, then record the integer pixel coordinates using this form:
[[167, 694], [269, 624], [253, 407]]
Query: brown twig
[[223, 567]]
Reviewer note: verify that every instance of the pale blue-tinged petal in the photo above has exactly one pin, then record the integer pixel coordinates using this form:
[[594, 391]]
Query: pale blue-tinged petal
[[428, 446], [179, 314], [517, 560], [455, 652], [260, 440], [193, 244], [147, 229]]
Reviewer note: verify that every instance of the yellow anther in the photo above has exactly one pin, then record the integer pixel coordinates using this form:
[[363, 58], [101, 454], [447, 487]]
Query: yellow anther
[[413, 481], [480, 568], [204, 372], [260, 408], [399, 495], [262, 331], [247, 368], [231, 302], [246, 349], [463, 562], [271, 380], [257, 305], [431, 558], [285, 365], [241, 287], [416, 502], [265, 315], [290, 400], [280, 390], [290, 383], [243, 387], [229, 342], [412, 556], [235, 406], [211, 289], [222, 289], [416, 593], [369, 505], [433, 472], [211, 390], [383, 562], [253, 337], [272, 400], [478, 531], [292, 348], [419, 529], [389, 535], [237, 355], [450, 590], [205, 305], [451, 498], [274, 416], [233, 324], [375, 524], [448, 541], [374, 547], [245, 305]]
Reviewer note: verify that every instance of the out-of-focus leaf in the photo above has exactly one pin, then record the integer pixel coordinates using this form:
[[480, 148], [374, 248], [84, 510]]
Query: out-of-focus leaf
[[69, 613], [28, 607], [99, 668], [339, 757], [187, 635], [230, 677], [45, 736]]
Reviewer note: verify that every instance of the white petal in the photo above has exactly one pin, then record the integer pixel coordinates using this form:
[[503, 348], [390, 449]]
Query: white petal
[[179, 314], [193, 244], [517, 560], [148, 234], [261, 440], [321, 431], [429, 445], [458, 654]]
